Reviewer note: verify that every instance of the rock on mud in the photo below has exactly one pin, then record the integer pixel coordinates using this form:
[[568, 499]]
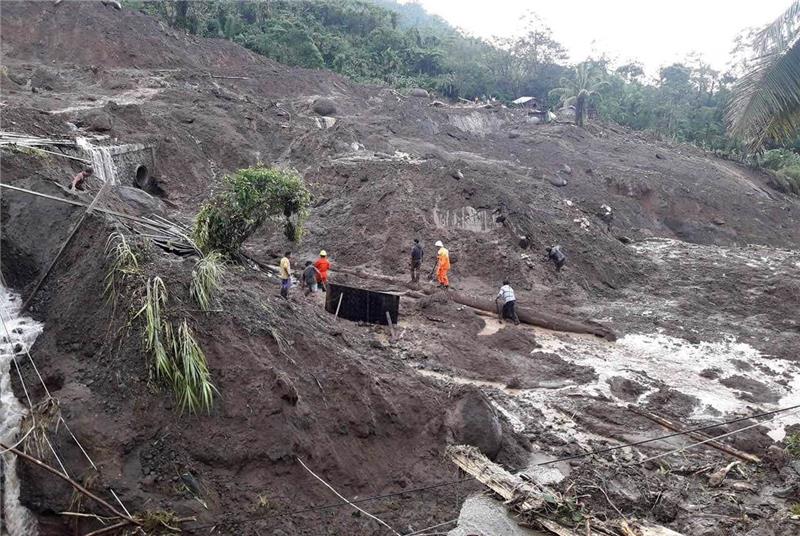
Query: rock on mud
[[324, 106], [474, 422], [96, 121], [557, 181], [419, 92]]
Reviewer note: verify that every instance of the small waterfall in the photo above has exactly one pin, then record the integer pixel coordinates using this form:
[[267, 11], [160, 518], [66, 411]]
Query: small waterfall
[[15, 519], [102, 161]]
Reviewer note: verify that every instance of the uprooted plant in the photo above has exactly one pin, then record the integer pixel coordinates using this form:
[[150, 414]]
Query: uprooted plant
[[124, 263], [249, 198], [206, 278], [178, 358]]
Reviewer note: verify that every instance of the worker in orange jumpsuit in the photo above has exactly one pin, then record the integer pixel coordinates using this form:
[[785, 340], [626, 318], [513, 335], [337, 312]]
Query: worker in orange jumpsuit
[[442, 265], [323, 265]]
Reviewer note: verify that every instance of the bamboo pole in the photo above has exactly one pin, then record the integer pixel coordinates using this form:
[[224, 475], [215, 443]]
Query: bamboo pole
[[66, 243], [745, 456], [71, 482]]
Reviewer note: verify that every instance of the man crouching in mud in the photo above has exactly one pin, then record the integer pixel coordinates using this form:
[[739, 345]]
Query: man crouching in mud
[[79, 179]]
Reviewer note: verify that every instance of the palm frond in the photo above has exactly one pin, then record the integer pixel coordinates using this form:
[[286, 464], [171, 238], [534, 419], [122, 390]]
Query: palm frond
[[781, 32], [124, 262], [191, 379], [206, 279], [765, 103]]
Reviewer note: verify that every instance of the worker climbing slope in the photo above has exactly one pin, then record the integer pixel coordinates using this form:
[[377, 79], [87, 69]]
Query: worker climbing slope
[[286, 274], [442, 265], [323, 265]]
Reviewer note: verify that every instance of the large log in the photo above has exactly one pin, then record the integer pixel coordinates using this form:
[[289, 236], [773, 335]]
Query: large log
[[543, 319]]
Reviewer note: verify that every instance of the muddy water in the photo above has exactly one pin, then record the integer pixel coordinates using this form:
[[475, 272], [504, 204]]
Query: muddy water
[[102, 161], [16, 335]]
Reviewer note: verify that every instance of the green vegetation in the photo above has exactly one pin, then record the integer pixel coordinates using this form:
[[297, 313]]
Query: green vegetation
[[766, 101], [579, 91], [383, 41], [250, 197], [124, 263], [178, 358], [793, 445], [191, 379], [206, 278], [157, 332]]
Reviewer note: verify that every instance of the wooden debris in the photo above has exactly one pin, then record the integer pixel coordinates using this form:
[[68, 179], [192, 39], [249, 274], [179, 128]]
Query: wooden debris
[[716, 478], [66, 243], [530, 499], [676, 427]]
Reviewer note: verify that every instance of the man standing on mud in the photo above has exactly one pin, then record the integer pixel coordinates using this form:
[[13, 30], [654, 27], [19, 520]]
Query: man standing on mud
[[416, 261], [286, 274], [558, 257], [509, 302], [442, 265]]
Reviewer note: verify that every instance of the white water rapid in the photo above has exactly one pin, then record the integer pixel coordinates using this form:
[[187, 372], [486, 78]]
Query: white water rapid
[[102, 161], [17, 334]]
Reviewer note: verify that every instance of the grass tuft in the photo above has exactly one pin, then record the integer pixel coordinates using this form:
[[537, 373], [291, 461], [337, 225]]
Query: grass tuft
[[157, 332], [191, 379], [124, 263], [206, 278]]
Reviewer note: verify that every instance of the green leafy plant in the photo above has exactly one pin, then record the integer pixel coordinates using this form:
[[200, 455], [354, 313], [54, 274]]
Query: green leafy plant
[[765, 103], [793, 445], [124, 262], [177, 357], [191, 379], [157, 332], [249, 198], [206, 279]]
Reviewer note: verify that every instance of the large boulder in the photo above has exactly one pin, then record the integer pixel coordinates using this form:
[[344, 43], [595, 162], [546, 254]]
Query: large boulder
[[419, 92], [324, 106], [96, 121], [473, 421]]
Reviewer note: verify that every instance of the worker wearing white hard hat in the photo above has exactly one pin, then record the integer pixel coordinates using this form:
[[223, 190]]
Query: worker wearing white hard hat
[[442, 265]]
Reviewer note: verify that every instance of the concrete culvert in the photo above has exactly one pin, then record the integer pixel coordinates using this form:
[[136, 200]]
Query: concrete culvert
[[142, 180], [324, 106]]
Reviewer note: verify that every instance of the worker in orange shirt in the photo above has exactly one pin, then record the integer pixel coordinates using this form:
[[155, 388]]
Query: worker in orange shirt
[[323, 265], [442, 265]]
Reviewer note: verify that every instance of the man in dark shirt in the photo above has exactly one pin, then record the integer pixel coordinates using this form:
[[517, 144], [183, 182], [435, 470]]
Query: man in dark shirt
[[416, 261], [557, 256]]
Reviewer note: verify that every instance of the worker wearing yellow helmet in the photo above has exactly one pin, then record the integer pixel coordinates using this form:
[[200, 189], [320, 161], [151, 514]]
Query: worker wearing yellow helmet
[[442, 264], [323, 265]]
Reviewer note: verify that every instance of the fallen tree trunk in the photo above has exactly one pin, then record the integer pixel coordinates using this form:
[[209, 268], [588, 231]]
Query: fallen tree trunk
[[539, 318], [529, 498]]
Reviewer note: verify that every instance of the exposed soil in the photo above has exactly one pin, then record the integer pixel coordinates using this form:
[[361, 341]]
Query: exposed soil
[[708, 273]]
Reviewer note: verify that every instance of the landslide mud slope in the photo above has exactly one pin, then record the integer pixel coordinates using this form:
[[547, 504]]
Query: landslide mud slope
[[293, 383]]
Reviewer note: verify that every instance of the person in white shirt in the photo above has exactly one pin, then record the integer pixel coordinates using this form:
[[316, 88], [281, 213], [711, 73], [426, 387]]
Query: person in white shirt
[[509, 302]]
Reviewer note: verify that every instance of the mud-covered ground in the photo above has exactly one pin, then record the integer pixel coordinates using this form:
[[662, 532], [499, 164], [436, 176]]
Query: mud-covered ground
[[699, 275]]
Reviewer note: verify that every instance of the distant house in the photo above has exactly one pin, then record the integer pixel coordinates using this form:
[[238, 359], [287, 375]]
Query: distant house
[[526, 102]]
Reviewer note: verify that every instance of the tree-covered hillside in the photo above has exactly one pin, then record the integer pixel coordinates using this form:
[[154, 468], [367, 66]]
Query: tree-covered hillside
[[384, 41]]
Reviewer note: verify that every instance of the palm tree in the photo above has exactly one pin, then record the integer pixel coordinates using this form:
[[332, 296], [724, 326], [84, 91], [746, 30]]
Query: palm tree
[[765, 103], [579, 91]]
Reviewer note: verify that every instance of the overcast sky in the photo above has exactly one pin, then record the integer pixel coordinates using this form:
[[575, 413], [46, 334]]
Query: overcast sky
[[655, 32]]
